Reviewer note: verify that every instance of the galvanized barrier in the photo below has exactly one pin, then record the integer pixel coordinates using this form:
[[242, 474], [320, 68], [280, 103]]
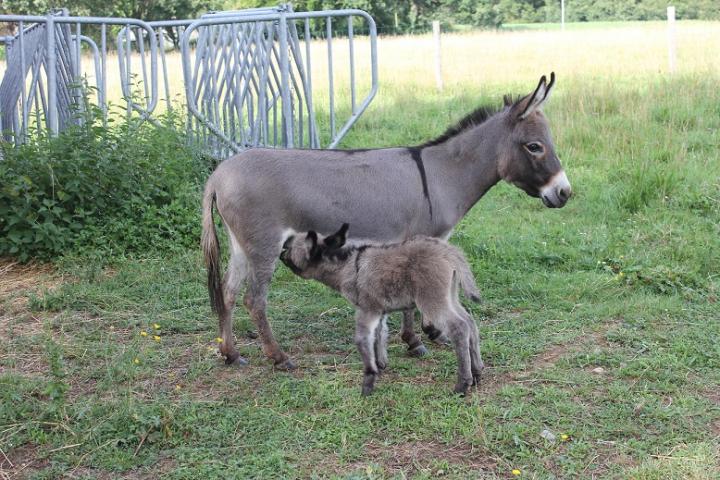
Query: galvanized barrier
[[249, 81], [44, 82], [247, 75]]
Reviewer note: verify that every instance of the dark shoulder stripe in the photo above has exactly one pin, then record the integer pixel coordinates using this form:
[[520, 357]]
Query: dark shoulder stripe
[[416, 154]]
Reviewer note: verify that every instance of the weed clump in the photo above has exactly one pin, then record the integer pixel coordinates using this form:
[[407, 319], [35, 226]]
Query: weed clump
[[113, 190]]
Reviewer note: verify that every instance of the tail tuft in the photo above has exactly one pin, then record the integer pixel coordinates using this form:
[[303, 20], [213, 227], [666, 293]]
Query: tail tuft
[[211, 252]]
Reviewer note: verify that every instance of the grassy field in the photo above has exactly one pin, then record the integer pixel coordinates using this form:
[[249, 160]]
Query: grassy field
[[599, 321]]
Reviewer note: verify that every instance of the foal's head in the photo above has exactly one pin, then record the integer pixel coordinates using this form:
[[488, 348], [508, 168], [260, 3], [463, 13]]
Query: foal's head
[[305, 253], [527, 155]]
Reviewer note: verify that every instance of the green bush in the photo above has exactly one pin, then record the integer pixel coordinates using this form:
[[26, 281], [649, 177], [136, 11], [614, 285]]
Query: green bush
[[116, 190]]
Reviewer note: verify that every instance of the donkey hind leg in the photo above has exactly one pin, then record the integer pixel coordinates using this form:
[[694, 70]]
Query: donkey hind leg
[[261, 271], [365, 326], [381, 334], [233, 281], [408, 335]]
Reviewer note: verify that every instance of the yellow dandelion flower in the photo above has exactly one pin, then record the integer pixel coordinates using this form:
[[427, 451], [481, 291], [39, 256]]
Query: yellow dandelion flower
[[143, 333], [156, 326], [156, 338], [218, 340], [564, 437], [211, 349], [622, 274], [516, 472], [177, 387], [136, 361]]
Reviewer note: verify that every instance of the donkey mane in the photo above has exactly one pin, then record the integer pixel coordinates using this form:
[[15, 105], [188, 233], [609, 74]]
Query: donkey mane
[[472, 119]]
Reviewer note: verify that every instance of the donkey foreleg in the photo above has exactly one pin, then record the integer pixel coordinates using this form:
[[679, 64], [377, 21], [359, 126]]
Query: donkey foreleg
[[365, 325], [256, 303], [408, 335]]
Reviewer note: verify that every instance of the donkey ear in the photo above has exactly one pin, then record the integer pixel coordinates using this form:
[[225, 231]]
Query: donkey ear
[[532, 102], [337, 239]]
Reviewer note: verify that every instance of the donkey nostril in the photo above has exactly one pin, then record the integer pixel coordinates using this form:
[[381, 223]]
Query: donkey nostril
[[562, 193]]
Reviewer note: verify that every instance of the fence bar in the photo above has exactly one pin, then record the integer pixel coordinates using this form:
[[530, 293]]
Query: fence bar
[[51, 65], [352, 64], [331, 87], [23, 93]]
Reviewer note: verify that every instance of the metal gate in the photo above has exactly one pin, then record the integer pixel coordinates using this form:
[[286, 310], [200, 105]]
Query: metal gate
[[258, 77]]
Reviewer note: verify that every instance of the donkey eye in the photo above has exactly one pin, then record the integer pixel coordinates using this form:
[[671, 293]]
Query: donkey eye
[[534, 147]]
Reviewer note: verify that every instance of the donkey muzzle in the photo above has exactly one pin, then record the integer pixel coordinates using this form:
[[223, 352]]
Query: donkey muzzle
[[557, 191]]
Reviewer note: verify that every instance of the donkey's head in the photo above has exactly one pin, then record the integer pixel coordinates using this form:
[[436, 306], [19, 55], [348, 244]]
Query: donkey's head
[[304, 253], [528, 159]]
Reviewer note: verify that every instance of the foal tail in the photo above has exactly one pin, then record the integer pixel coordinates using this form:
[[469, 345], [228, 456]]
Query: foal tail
[[465, 277], [211, 252]]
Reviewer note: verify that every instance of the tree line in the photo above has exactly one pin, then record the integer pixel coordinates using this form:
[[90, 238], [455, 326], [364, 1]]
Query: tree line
[[397, 16]]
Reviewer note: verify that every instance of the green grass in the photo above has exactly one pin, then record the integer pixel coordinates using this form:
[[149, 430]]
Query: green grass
[[623, 279]]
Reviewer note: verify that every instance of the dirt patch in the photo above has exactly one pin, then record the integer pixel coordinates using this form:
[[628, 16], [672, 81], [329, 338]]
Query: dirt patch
[[411, 458], [18, 280], [550, 356], [21, 461]]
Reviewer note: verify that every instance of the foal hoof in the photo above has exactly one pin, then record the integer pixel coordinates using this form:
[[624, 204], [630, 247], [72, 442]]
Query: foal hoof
[[441, 340], [285, 365], [368, 384], [381, 366], [476, 379], [461, 388], [251, 334], [418, 351], [236, 360]]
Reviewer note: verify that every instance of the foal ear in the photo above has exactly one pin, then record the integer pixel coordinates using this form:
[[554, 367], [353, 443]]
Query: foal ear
[[532, 102], [311, 243], [337, 239]]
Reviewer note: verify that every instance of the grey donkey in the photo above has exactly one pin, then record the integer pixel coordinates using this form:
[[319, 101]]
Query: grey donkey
[[388, 195], [423, 272]]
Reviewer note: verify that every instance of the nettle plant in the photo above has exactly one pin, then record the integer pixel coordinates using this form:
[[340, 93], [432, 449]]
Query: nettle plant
[[120, 188]]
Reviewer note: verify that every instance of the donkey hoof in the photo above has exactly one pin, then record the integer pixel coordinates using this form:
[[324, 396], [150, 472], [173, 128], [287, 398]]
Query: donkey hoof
[[381, 365], [236, 360], [251, 334], [461, 388], [476, 379], [418, 351], [286, 365], [366, 390]]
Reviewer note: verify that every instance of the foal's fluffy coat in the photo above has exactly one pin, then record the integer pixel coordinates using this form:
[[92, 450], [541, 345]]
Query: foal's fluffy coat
[[423, 272]]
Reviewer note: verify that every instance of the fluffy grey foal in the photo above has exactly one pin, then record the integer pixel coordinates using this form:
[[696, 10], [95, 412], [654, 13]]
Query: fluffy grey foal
[[423, 272]]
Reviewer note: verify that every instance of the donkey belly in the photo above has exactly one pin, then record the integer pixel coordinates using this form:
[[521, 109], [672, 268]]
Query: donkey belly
[[264, 193]]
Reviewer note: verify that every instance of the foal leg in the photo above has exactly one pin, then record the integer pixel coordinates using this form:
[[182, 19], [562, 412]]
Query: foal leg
[[434, 334], [459, 332], [256, 304], [232, 282], [381, 334], [476, 363], [408, 335], [365, 325]]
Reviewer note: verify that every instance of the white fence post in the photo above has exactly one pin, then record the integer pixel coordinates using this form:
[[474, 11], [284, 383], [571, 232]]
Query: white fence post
[[671, 38], [438, 66]]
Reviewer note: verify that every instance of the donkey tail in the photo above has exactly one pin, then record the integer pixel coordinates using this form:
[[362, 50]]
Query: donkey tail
[[466, 278], [211, 252]]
